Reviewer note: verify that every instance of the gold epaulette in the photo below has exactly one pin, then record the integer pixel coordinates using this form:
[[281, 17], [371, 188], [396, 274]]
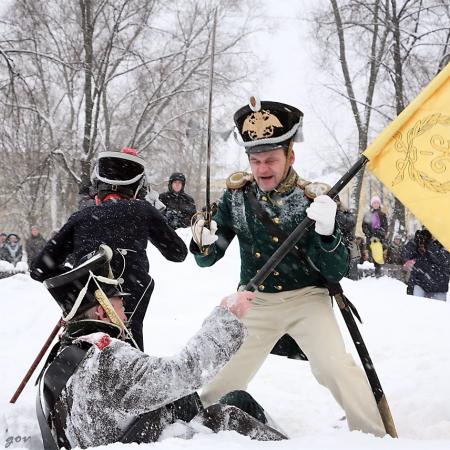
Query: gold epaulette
[[238, 180], [301, 183], [313, 189]]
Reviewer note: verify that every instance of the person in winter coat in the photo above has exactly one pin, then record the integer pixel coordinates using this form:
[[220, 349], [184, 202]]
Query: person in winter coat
[[375, 227], [364, 254], [3, 237], [293, 299], [35, 243], [180, 207], [97, 390], [123, 222], [12, 251], [394, 251], [346, 220], [430, 270]]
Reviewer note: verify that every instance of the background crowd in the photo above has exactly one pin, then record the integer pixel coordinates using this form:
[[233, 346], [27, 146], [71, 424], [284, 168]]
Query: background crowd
[[14, 256], [420, 260]]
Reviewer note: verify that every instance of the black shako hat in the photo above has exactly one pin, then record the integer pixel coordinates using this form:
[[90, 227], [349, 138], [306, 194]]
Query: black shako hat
[[66, 288], [122, 172], [264, 125]]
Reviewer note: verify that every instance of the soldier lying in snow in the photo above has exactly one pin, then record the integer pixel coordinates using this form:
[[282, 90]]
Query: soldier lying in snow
[[96, 389]]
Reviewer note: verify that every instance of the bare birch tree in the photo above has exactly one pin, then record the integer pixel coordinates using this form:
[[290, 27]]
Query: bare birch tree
[[386, 51]]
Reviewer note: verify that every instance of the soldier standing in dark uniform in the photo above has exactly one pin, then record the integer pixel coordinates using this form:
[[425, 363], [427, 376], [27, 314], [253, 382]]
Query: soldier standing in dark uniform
[[123, 222], [180, 207], [293, 298]]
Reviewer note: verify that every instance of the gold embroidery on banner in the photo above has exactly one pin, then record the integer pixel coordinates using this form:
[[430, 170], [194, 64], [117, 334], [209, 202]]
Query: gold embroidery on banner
[[439, 149], [260, 125]]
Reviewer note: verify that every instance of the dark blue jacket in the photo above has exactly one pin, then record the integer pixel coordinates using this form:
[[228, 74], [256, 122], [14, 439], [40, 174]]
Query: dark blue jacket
[[432, 269], [120, 224]]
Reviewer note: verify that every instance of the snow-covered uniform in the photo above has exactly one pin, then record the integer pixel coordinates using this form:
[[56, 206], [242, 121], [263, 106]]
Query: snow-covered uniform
[[115, 383], [125, 226], [287, 208], [292, 300]]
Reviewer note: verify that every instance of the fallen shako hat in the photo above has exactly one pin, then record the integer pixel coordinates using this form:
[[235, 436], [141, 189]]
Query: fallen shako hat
[[75, 291]]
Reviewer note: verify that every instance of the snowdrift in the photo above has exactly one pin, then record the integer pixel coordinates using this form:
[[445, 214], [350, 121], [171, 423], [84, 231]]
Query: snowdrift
[[407, 337]]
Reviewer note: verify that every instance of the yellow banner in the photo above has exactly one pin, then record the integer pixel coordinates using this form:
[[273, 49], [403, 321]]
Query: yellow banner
[[411, 157]]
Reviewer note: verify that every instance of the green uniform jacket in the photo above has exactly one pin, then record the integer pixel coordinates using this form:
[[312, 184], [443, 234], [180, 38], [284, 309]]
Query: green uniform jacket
[[235, 217]]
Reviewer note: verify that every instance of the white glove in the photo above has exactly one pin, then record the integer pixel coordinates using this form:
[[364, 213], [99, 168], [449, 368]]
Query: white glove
[[153, 199], [202, 235], [323, 211]]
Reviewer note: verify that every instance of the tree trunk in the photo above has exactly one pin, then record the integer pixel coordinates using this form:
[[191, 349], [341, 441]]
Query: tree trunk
[[398, 214], [88, 29]]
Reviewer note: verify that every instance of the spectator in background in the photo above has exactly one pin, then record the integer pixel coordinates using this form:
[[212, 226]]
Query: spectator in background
[[394, 251], [12, 250], [375, 227], [180, 207], [430, 262], [361, 244], [86, 196], [34, 244], [346, 221], [393, 257], [2, 240]]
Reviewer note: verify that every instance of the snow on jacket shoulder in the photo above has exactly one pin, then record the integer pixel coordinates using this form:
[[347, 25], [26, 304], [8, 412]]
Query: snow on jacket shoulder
[[114, 385]]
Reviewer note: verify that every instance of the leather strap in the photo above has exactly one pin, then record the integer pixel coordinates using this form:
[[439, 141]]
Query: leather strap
[[52, 382]]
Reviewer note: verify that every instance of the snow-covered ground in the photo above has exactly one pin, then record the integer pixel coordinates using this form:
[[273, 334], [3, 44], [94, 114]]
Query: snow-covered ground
[[408, 339]]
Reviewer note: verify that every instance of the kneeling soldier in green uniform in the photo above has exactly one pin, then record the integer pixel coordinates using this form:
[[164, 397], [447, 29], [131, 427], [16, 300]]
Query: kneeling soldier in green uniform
[[293, 299]]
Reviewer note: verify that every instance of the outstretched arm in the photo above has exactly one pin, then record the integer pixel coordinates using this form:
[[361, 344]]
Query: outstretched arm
[[152, 382], [164, 238]]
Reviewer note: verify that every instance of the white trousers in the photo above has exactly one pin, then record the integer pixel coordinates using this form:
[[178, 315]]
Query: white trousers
[[305, 314]]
